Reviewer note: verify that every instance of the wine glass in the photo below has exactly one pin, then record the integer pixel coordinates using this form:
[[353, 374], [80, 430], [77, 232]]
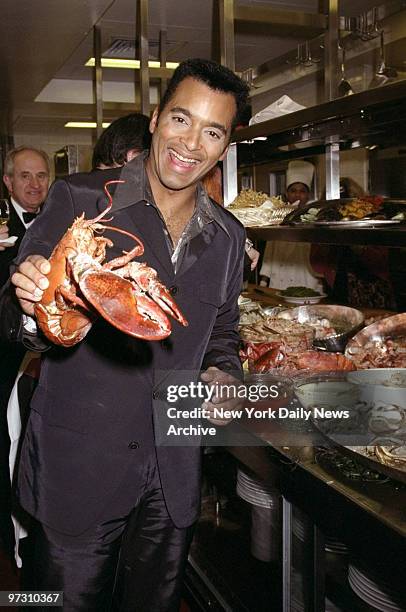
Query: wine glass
[[4, 211]]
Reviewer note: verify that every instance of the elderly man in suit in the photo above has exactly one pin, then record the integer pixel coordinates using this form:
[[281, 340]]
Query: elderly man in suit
[[91, 467], [26, 175]]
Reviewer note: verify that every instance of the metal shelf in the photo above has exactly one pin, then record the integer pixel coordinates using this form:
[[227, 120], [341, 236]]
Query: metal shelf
[[390, 237], [359, 105], [376, 116]]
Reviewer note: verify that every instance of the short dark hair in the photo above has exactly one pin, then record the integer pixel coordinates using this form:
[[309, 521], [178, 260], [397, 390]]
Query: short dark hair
[[213, 74], [124, 134]]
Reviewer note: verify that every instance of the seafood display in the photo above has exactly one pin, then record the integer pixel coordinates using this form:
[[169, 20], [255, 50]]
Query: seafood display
[[380, 345], [82, 286], [372, 208], [274, 329], [333, 324], [291, 353]]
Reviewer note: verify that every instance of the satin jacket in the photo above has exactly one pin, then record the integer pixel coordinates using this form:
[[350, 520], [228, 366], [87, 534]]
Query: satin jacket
[[91, 428]]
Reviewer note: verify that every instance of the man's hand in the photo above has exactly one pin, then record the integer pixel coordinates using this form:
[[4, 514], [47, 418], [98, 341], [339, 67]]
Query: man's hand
[[4, 236], [225, 400], [30, 281], [253, 254]]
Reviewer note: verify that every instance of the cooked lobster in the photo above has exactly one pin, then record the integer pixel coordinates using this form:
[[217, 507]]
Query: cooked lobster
[[127, 294]]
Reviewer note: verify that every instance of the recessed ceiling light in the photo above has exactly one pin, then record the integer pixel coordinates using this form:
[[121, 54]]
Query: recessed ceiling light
[[114, 62], [84, 124]]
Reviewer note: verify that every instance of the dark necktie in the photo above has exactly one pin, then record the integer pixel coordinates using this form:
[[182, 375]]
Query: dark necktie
[[28, 217]]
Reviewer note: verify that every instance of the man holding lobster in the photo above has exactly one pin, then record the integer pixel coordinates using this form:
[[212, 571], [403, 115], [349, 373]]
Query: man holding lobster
[[91, 472]]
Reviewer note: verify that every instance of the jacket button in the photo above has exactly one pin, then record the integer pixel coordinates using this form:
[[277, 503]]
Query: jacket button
[[155, 395], [133, 445], [173, 290]]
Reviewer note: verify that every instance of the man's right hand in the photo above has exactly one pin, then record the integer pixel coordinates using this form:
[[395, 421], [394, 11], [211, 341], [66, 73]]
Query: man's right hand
[[30, 281]]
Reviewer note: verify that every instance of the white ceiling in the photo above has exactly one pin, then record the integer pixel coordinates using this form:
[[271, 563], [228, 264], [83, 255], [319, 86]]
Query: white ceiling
[[42, 41]]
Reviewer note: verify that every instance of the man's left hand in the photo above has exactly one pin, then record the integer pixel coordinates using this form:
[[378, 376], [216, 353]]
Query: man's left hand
[[226, 400]]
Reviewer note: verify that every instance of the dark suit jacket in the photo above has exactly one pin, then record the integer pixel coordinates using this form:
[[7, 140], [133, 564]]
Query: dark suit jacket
[[95, 411], [15, 228], [10, 354]]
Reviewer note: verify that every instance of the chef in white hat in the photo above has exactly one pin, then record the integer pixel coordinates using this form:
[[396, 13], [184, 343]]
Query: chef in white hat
[[287, 264], [299, 177]]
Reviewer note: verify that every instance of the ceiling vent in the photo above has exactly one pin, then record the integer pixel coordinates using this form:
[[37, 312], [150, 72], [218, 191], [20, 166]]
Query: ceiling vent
[[124, 48]]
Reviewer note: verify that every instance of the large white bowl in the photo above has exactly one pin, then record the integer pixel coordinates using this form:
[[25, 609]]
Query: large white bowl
[[381, 385], [326, 393]]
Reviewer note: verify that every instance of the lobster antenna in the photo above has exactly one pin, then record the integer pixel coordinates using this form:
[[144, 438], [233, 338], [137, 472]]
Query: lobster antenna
[[110, 204]]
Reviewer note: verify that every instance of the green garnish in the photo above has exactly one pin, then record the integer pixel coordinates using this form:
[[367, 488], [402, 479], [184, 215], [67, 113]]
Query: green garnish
[[299, 292]]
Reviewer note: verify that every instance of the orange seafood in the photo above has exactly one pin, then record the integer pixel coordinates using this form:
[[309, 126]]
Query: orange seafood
[[129, 295]]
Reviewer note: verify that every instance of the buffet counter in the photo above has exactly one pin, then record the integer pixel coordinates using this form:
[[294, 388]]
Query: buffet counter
[[368, 517]]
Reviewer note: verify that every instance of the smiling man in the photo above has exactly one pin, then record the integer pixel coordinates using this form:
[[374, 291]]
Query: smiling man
[[26, 176], [91, 473]]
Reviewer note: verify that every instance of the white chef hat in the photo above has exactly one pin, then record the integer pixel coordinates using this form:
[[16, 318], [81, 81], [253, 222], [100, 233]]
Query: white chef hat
[[300, 172]]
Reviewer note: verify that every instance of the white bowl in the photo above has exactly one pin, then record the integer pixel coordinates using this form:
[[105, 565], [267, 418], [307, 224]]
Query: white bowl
[[381, 385], [329, 394], [311, 299]]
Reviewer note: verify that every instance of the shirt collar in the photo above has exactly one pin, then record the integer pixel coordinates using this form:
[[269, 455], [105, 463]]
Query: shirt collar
[[20, 210], [136, 188]]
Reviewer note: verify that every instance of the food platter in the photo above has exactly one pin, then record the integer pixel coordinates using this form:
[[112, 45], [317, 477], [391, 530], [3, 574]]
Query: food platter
[[334, 324], [311, 299], [381, 344], [349, 212], [359, 453], [357, 223]]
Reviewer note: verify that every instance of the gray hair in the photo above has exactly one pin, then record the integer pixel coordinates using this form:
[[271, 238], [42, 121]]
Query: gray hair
[[11, 155]]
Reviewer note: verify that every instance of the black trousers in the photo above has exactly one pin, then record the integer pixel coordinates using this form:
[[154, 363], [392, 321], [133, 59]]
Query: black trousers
[[133, 563]]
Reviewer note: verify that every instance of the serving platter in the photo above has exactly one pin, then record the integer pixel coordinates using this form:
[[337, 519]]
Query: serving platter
[[356, 222], [359, 453]]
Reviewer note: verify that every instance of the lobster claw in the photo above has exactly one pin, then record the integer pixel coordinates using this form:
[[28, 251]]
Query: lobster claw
[[118, 301]]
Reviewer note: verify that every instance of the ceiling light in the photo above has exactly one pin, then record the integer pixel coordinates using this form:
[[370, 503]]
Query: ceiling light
[[84, 124], [114, 62]]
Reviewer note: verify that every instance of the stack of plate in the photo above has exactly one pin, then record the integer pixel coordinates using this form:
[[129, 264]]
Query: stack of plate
[[335, 546], [256, 492], [265, 516], [374, 590], [302, 530]]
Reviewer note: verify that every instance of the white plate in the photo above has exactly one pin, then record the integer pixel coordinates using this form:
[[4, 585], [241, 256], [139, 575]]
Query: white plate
[[311, 299], [9, 241]]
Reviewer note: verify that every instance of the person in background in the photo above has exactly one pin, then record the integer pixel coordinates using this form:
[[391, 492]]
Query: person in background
[[287, 264], [90, 467], [26, 176], [124, 139]]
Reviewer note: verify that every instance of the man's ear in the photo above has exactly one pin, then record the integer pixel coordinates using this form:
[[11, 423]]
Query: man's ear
[[224, 153], [154, 120], [8, 183]]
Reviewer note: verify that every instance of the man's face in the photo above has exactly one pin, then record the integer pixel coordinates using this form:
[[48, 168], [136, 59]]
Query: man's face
[[298, 191], [30, 180], [190, 135]]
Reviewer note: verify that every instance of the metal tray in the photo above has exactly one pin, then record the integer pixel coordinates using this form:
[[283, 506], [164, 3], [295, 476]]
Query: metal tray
[[354, 453]]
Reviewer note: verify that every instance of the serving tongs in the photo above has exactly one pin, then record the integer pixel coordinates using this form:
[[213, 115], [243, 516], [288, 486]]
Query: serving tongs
[[384, 73], [344, 87]]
